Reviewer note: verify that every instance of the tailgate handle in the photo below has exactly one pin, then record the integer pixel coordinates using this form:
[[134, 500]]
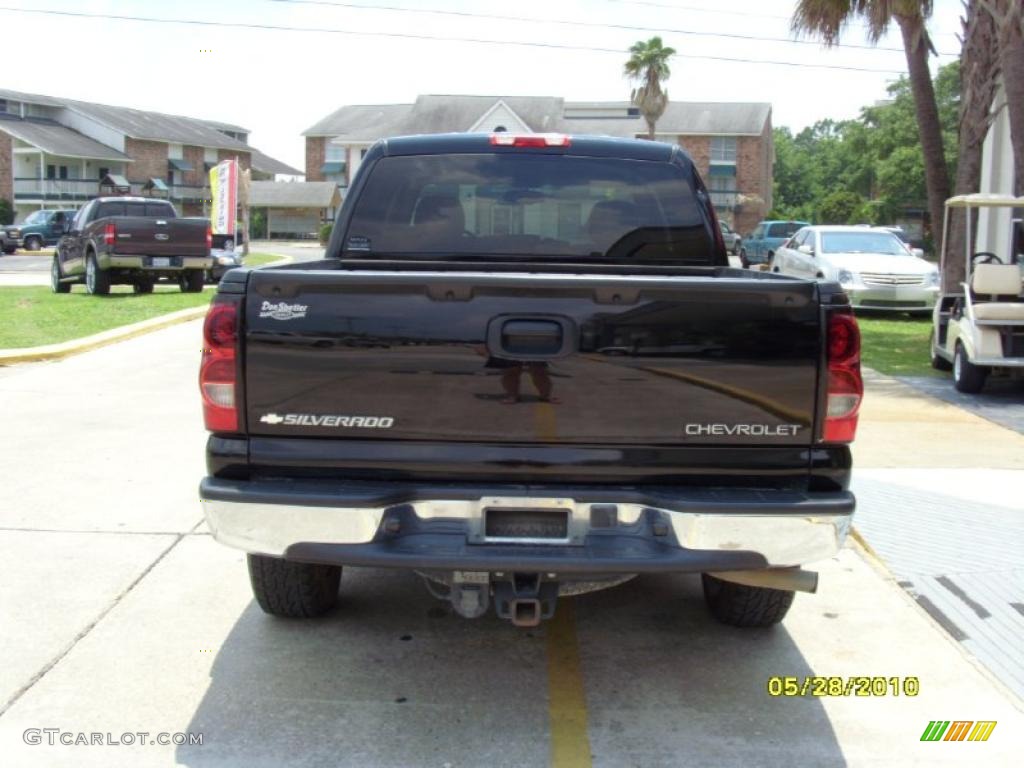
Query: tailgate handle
[[532, 338]]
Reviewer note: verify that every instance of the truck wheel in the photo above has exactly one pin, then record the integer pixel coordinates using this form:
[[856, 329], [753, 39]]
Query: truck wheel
[[144, 285], [967, 377], [191, 281], [743, 606], [293, 590], [743, 258], [55, 275], [33, 243], [97, 282]]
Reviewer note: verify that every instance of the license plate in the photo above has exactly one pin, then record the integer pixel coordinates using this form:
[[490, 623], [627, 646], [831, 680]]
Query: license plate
[[161, 262], [529, 524]]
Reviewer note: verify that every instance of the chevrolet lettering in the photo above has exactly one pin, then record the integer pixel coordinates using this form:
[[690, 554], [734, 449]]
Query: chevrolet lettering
[[579, 389], [753, 430]]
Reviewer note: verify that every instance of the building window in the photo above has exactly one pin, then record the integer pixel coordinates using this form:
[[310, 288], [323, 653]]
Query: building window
[[51, 171], [63, 172], [500, 129], [335, 153], [3, 105], [723, 149], [104, 172]]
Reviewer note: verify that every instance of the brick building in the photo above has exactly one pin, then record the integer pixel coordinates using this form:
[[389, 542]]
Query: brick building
[[53, 152], [730, 143]]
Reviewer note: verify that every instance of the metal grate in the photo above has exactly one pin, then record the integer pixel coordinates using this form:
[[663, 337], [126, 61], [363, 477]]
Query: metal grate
[[879, 278]]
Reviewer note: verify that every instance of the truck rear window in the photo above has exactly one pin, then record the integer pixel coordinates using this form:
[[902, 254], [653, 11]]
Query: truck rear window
[[133, 208], [529, 206]]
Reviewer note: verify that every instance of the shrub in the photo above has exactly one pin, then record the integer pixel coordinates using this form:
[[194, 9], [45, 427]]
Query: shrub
[[325, 233]]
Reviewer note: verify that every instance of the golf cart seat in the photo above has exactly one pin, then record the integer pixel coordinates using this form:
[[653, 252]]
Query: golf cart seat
[[996, 280]]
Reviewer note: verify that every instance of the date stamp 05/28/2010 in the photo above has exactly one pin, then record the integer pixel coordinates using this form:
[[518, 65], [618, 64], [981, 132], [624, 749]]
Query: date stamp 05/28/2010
[[813, 685]]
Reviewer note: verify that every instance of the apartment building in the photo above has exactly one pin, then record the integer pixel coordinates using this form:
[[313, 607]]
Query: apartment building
[[730, 143], [54, 152]]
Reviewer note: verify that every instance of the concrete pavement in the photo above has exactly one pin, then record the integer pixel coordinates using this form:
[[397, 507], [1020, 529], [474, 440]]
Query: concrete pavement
[[122, 615]]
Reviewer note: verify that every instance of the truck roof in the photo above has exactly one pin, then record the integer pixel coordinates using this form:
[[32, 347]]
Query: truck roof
[[464, 143]]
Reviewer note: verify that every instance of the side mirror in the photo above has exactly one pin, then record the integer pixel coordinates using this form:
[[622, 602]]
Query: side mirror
[[917, 252], [808, 249]]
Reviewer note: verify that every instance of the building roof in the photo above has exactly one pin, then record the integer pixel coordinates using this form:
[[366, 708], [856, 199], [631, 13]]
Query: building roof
[[56, 139], [156, 126], [294, 194], [453, 113], [267, 164]]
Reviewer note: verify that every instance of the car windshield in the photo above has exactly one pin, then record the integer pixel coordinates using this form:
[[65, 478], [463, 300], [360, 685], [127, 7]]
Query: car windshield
[[529, 206], [862, 242], [36, 217], [785, 229]]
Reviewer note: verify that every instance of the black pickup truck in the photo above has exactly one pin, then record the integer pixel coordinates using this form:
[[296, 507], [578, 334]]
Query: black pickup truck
[[524, 369], [133, 241]]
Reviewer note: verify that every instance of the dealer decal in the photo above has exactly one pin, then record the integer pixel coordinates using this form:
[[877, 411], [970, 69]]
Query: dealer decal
[[282, 310]]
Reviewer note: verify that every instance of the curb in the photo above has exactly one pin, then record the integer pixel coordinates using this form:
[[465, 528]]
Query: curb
[[87, 343]]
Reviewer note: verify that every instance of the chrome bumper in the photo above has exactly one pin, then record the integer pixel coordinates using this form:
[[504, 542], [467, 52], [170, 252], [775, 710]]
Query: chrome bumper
[[802, 533], [109, 261], [895, 297]]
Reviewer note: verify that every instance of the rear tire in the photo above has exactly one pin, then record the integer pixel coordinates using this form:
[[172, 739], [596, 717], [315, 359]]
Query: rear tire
[[55, 275], [10, 251], [33, 243], [191, 281], [293, 590], [97, 282], [741, 606], [967, 377]]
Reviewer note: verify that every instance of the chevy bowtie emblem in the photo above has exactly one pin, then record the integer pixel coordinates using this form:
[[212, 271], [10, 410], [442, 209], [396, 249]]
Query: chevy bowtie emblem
[[271, 418]]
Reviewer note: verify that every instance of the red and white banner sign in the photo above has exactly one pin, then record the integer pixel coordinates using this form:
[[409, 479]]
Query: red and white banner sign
[[224, 190]]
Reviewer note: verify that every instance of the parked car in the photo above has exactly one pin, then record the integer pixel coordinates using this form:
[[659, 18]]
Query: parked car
[[761, 244], [38, 230], [8, 244], [430, 454], [732, 238], [877, 269], [133, 241], [225, 254]]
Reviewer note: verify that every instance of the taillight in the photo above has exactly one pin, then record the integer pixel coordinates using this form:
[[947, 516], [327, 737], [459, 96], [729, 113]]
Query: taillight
[[109, 233], [209, 238], [217, 372], [845, 386], [530, 140]]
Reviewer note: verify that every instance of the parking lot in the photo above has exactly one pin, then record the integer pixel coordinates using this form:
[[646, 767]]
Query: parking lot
[[122, 616]]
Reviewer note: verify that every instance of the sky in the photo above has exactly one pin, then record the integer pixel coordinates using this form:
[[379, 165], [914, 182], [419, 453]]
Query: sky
[[238, 66]]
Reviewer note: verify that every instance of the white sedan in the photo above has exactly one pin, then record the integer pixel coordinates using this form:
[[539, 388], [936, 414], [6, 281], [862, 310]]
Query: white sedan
[[876, 268]]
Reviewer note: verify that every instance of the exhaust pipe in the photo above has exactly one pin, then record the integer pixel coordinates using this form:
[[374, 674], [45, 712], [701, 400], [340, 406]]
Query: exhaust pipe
[[525, 613], [789, 579]]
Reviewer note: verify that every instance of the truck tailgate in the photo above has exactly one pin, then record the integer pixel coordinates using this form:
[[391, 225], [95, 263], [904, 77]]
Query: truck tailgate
[[141, 236], [531, 358]]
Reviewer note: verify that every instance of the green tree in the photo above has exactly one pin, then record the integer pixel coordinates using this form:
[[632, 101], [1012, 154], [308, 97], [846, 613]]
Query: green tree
[[648, 66], [6, 211], [840, 207], [827, 18]]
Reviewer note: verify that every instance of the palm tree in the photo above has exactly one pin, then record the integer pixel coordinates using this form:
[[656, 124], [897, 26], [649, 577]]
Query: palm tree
[[1008, 18], [826, 18], [648, 65]]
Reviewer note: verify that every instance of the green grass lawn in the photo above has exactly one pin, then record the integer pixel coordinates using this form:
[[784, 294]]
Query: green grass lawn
[[897, 345], [31, 315]]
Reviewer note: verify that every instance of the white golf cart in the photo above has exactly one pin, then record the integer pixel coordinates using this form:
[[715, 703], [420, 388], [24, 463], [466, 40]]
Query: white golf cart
[[979, 326]]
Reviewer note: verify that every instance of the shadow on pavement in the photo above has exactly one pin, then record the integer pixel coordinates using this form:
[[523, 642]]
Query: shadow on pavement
[[393, 678]]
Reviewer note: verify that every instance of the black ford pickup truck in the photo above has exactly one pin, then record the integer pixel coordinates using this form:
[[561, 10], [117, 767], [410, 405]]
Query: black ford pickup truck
[[525, 369], [133, 241]]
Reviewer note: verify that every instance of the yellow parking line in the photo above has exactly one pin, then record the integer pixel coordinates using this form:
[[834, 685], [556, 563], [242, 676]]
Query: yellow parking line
[[567, 704]]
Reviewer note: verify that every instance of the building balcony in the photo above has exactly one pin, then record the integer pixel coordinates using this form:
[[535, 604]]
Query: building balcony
[[82, 190]]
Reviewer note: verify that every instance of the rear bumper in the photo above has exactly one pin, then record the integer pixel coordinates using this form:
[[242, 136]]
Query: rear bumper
[[608, 531], [145, 263]]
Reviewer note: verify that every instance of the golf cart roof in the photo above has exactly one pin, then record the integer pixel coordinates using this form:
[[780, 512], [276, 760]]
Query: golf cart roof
[[985, 200]]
